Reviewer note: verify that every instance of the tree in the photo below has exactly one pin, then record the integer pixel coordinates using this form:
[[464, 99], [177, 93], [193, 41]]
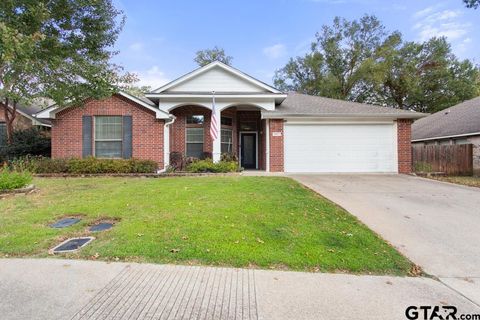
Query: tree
[[359, 61], [204, 57], [58, 49], [472, 3], [424, 76], [339, 61]]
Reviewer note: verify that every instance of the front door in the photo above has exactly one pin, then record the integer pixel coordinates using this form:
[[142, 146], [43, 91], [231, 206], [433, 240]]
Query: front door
[[248, 150]]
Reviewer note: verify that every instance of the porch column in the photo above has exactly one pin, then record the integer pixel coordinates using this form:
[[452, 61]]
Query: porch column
[[166, 144], [217, 144]]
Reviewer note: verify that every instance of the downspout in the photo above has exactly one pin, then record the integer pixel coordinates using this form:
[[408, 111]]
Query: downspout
[[166, 144], [267, 147]]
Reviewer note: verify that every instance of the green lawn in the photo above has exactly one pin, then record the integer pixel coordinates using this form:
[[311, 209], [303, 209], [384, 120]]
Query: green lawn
[[466, 181], [266, 222]]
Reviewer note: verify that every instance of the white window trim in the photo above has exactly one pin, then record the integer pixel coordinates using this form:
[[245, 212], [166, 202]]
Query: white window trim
[[104, 140], [231, 141], [186, 137]]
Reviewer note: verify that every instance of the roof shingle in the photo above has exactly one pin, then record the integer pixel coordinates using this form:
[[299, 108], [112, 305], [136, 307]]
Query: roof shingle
[[461, 119], [298, 105]]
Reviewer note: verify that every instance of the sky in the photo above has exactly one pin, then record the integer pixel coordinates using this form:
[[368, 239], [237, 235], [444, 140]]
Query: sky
[[160, 37]]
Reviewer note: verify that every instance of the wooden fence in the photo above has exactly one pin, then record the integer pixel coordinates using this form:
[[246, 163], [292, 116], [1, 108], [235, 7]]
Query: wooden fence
[[456, 159]]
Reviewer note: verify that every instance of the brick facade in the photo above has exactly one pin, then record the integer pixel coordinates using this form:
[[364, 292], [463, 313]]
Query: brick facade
[[147, 131], [404, 145], [276, 145]]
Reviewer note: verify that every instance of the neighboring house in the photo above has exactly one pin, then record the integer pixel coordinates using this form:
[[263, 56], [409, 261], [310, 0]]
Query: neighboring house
[[459, 124], [24, 119], [268, 129]]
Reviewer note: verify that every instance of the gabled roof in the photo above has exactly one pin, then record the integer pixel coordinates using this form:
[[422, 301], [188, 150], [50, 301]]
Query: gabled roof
[[302, 105], [460, 120], [29, 111], [49, 113], [216, 64]]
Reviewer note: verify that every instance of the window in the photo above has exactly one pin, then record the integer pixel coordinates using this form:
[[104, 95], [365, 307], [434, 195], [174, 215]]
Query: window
[[195, 142], [226, 121], [227, 141], [195, 119], [108, 136]]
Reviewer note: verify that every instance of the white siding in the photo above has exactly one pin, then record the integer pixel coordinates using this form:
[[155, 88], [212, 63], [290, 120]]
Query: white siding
[[340, 148], [216, 79]]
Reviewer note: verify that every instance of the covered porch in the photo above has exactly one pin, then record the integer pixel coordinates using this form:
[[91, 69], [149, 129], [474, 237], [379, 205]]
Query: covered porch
[[242, 135]]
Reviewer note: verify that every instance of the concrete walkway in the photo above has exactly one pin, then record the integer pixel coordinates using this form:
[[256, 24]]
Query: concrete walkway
[[435, 224], [74, 289]]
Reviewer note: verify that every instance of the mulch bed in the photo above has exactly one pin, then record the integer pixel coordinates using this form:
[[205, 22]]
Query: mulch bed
[[134, 175]]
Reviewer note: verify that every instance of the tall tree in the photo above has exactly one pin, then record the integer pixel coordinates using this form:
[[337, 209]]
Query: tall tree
[[472, 3], [58, 49], [359, 61], [340, 60], [204, 57]]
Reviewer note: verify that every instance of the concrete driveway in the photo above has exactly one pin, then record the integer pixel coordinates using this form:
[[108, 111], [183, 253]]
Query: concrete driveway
[[435, 224]]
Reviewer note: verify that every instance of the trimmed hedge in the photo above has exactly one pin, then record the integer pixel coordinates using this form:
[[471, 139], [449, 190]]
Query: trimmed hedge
[[88, 165], [10, 180], [208, 165]]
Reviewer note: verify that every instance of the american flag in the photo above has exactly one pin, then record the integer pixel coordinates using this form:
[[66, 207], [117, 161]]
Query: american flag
[[213, 121]]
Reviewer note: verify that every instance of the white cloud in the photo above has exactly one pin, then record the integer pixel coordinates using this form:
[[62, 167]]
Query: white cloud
[[153, 77], [433, 22], [136, 46], [276, 51]]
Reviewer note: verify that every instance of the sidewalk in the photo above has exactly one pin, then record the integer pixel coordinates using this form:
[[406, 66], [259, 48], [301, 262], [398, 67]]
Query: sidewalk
[[75, 289]]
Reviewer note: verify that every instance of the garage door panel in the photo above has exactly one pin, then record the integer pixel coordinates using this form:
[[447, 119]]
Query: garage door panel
[[340, 148]]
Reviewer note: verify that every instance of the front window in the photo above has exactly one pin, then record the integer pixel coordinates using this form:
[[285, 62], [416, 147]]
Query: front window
[[227, 141], [195, 142], [108, 136]]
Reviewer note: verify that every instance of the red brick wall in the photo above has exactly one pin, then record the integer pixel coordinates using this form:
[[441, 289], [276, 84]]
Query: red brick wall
[[147, 131], [404, 146], [177, 130], [276, 145], [19, 123]]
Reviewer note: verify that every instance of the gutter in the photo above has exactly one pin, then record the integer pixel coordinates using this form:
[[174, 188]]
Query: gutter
[[342, 115], [447, 137]]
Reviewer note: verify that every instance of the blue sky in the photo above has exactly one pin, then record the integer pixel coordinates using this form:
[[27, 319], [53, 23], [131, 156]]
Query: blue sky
[[160, 38]]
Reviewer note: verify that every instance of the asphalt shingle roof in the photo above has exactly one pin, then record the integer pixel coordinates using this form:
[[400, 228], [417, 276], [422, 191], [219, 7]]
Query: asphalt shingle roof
[[463, 118], [297, 105]]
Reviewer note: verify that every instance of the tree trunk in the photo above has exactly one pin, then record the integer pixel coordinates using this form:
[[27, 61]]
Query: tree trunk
[[9, 118]]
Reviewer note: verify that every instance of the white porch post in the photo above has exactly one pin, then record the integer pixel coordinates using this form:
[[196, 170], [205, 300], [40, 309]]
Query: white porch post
[[166, 144], [217, 143]]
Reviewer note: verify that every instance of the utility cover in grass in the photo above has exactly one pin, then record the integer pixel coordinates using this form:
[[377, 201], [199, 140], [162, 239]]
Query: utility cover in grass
[[67, 222], [72, 244], [101, 227]]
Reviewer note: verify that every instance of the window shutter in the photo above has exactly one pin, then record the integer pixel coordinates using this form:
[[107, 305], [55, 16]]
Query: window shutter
[[127, 137], [86, 136]]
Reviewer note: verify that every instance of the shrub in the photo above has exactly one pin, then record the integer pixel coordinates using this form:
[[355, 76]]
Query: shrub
[[229, 157], [10, 179], [209, 166], [88, 165], [422, 167], [32, 141]]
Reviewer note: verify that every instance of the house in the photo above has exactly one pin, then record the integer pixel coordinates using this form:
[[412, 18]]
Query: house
[[459, 124], [24, 119], [268, 129]]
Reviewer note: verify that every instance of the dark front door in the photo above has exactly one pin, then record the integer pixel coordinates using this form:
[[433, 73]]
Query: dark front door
[[248, 143]]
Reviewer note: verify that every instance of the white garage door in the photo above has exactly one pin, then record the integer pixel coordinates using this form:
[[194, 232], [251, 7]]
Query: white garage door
[[340, 148]]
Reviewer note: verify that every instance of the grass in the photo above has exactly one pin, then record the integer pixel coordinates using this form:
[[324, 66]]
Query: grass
[[265, 222], [467, 181]]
